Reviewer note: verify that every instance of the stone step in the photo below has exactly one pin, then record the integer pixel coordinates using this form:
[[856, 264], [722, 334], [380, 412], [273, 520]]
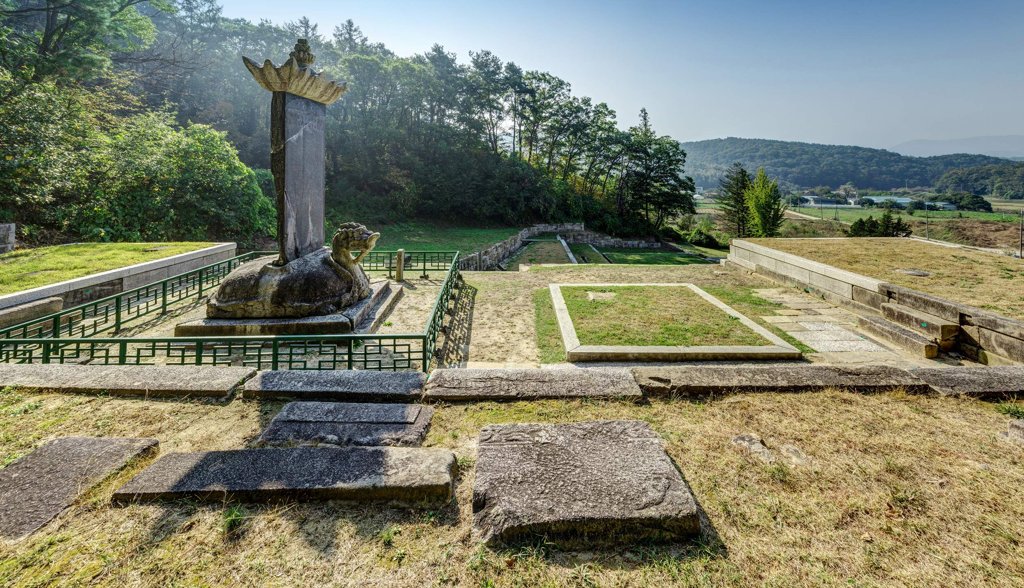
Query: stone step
[[704, 380], [41, 485], [942, 331], [347, 385], [125, 380], [395, 474], [986, 382], [474, 384], [579, 485], [348, 423], [903, 337]]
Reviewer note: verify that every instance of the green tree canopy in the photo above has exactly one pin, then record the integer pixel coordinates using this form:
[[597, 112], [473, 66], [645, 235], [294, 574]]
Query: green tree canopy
[[767, 210]]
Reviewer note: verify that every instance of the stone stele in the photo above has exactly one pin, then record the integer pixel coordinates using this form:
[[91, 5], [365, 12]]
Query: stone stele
[[579, 485], [39, 486]]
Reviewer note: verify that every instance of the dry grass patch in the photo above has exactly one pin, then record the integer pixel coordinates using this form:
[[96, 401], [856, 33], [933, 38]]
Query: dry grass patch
[[900, 491], [977, 278], [651, 315], [539, 252]]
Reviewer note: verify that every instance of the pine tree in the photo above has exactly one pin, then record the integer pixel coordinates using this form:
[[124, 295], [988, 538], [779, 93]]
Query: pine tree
[[734, 200], [767, 209]]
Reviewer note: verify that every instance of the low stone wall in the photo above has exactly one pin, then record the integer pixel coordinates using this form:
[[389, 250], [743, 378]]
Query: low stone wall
[[984, 335], [491, 257], [7, 234], [96, 286]]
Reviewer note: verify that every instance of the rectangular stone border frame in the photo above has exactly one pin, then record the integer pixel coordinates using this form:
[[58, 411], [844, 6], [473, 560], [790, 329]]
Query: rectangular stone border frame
[[778, 348]]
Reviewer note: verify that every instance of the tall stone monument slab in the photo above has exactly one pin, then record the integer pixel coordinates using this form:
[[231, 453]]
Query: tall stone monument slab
[[297, 137]]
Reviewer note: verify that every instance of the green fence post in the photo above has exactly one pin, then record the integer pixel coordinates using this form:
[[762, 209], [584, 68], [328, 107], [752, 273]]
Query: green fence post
[[199, 353], [163, 295], [117, 314], [348, 354], [200, 282], [122, 352], [46, 352], [426, 364], [275, 347], [56, 327]]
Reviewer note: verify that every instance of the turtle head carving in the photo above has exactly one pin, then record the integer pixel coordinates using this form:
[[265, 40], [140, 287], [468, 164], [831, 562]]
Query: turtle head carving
[[352, 237]]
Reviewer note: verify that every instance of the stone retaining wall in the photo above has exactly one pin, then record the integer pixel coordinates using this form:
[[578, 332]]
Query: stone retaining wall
[[96, 286], [491, 257], [7, 234], [984, 335]]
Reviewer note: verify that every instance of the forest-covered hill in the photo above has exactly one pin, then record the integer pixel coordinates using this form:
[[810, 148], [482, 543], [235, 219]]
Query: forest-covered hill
[[810, 164], [1004, 180]]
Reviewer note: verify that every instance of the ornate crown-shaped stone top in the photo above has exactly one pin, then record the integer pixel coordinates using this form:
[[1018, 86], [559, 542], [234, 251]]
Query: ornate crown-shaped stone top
[[296, 77]]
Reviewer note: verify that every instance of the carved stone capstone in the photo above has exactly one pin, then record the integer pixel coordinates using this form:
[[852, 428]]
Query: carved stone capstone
[[320, 283], [296, 77]]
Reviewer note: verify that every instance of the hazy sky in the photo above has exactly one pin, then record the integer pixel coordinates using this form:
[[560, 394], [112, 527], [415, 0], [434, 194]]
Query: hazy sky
[[863, 72]]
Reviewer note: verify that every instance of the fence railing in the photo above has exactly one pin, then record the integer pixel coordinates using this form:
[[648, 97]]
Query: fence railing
[[70, 336]]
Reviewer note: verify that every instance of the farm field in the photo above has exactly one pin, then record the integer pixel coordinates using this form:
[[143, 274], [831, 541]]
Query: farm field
[[848, 215], [24, 269], [985, 280]]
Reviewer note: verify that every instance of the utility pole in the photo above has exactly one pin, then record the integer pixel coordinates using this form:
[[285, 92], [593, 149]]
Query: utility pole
[[1020, 253], [925, 219]]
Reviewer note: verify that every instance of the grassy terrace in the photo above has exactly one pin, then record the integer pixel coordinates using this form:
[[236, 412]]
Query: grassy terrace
[[586, 254], [627, 255], [25, 269], [848, 215], [902, 490], [539, 252], [418, 236], [985, 280], [654, 315]]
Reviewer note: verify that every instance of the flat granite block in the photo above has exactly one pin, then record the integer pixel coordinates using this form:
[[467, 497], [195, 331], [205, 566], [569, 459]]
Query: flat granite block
[[41, 485], [347, 423], [348, 385], [530, 384], [579, 485], [981, 382], [126, 380], [702, 380], [398, 474]]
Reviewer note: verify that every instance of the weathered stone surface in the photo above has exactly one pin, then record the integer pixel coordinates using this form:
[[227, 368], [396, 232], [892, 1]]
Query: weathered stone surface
[[933, 305], [349, 385], [995, 381], [39, 486], [530, 384], [794, 455], [1015, 432], [347, 423], [8, 231], [297, 154], [901, 336], [30, 310], [721, 379], [397, 474], [260, 289], [754, 446], [129, 380], [579, 485], [1004, 345], [938, 328]]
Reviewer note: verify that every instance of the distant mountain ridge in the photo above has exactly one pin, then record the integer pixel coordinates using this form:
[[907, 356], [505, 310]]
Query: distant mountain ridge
[[800, 164], [1009, 146]]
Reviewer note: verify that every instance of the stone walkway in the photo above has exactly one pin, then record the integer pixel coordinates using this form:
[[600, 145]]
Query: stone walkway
[[829, 330]]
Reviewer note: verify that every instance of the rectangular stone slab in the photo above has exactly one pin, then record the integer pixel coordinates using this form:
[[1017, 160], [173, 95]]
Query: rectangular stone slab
[[982, 382], [127, 380], [579, 485], [722, 379], [530, 384], [398, 474], [347, 423], [41, 485], [347, 385]]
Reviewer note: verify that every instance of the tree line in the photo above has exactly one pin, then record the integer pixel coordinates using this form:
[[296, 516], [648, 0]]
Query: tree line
[[144, 125]]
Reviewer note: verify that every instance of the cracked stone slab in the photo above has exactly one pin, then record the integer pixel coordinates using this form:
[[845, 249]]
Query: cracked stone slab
[[38, 487], [981, 382], [579, 485], [348, 423], [347, 385], [530, 384], [723, 379], [405, 475], [125, 380]]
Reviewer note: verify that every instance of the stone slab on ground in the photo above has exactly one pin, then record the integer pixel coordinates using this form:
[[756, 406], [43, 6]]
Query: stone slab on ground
[[405, 475], [579, 485], [347, 385], [126, 380], [1015, 432], [348, 423], [530, 384], [722, 379], [981, 382], [38, 487]]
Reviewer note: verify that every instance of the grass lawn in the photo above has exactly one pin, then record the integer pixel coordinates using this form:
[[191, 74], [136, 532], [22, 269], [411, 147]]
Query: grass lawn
[[24, 269], [419, 236], [626, 255], [539, 252], [1012, 206], [586, 254], [977, 278], [848, 215], [900, 491], [651, 315]]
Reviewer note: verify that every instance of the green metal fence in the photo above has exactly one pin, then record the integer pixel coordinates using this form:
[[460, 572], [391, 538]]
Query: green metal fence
[[70, 336]]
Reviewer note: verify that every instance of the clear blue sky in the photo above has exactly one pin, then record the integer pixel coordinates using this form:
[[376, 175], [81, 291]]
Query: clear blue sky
[[867, 72]]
